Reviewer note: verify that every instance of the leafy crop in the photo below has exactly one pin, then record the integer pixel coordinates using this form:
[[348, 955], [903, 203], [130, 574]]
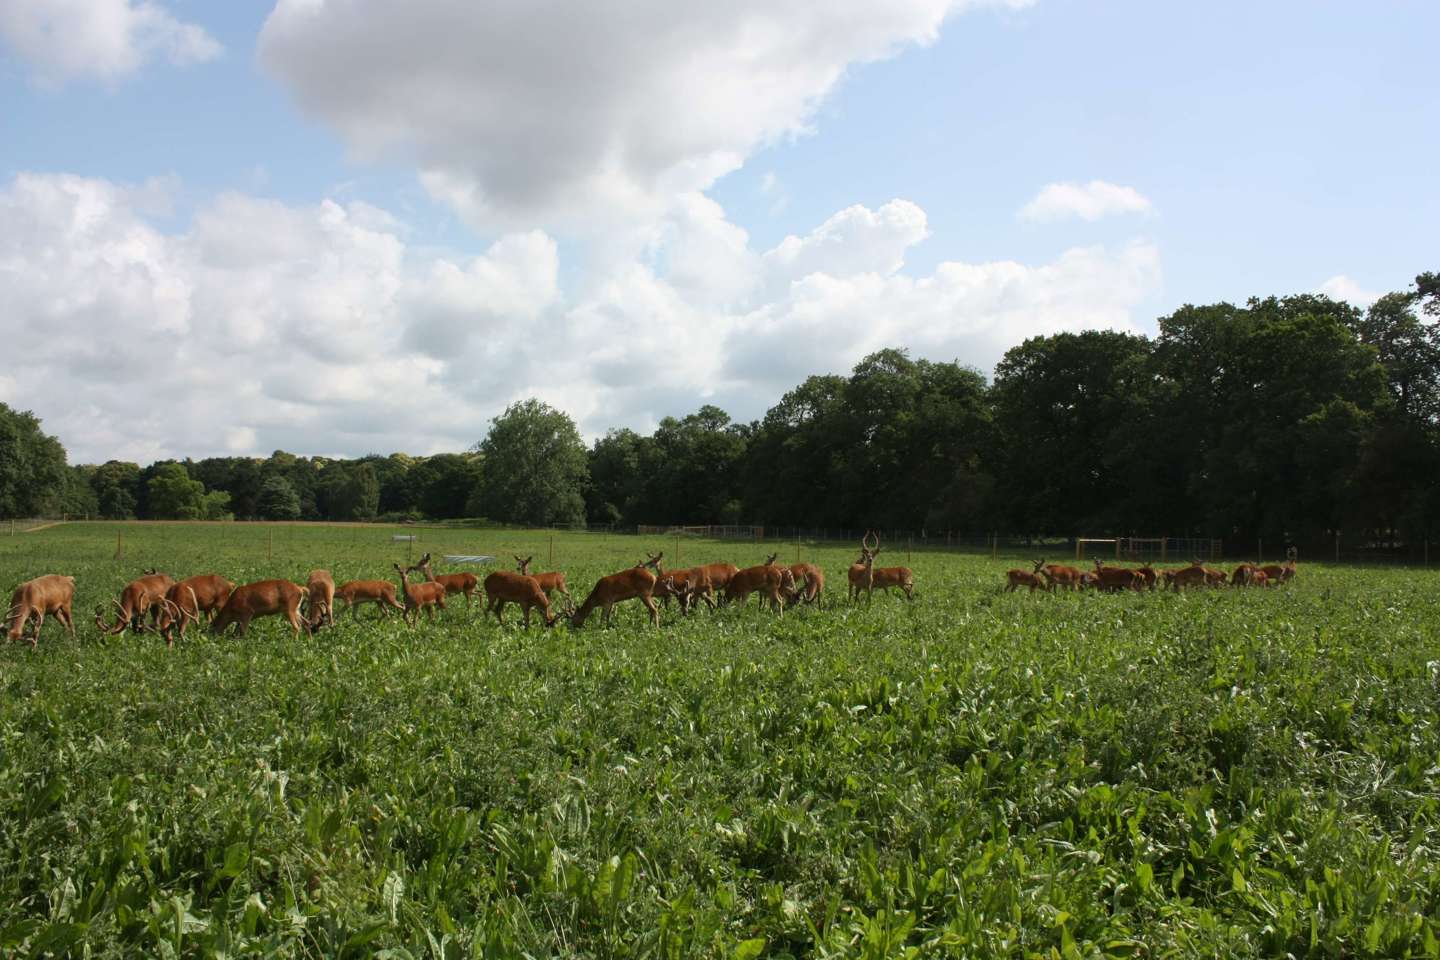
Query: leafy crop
[[976, 774]]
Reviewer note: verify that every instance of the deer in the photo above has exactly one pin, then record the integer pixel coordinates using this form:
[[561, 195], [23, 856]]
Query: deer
[[552, 582], [320, 588], [885, 577], [810, 583], [770, 581], [1282, 572], [420, 596], [1014, 579], [504, 586], [463, 582], [684, 585], [1195, 575], [1148, 574], [141, 597], [379, 592], [636, 583], [1062, 576], [1244, 575], [718, 575], [190, 599], [51, 594], [264, 598], [1117, 578], [861, 573]]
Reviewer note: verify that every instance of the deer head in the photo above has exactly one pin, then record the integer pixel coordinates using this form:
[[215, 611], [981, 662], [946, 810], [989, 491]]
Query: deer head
[[654, 560], [770, 560], [523, 563], [1039, 564]]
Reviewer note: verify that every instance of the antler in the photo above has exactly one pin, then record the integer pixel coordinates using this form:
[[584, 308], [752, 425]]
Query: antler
[[194, 612], [865, 541], [770, 560]]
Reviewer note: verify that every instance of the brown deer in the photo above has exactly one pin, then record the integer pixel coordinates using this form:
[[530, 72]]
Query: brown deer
[[320, 588], [551, 582], [143, 596], [1195, 575], [463, 582], [1061, 576], [1014, 579], [191, 599], [635, 583], [379, 592], [53, 594], [264, 598], [883, 578], [810, 583], [771, 582], [683, 585], [420, 596], [1112, 579], [1148, 575], [1279, 573], [861, 572], [504, 586], [1244, 575], [718, 574]]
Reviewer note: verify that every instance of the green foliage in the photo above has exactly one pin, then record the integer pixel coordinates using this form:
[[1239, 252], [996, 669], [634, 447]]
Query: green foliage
[[1227, 773], [534, 468], [173, 495], [278, 500], [32, 465]]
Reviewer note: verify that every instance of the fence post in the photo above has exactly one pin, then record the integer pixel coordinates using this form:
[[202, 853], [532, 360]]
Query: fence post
[[1337, 546], [994, 544], [552, 551], [1164, 549], [1260, 550], [909, 546]]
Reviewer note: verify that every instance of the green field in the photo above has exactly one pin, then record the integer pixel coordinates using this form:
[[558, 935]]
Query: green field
[[1226, 773]]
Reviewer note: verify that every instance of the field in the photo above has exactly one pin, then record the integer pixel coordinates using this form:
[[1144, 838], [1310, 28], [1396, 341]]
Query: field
[[1236, 773]]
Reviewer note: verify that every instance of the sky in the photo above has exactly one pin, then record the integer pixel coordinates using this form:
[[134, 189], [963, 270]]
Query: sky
[[339, 227]]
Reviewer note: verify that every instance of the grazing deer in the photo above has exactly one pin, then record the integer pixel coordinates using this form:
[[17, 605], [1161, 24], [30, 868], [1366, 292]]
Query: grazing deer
[[379, 592], [1117, 578], [1148, 575], [1281, 572], [683, 585], [51, 594], [810, 583], [551, 582], [141, 597], [191, 599], [1195, 575], [771, 582], [320, 587], [264, 598], [462, 582], [1244, 575], [1014, 579], [635, 583], [503, 586], [420, 596], [1062, 576], [718, 575]]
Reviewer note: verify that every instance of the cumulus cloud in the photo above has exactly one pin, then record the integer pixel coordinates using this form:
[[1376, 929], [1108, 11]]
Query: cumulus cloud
[[518, 112], [319, 329], [66, 39], [1086, 201], [1341, 287]]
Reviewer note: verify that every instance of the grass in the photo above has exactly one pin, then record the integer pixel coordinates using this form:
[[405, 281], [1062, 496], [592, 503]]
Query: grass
[[976, 774]]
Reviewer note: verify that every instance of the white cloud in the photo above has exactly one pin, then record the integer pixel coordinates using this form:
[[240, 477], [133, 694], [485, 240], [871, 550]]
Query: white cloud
[[65, 39], [319, 329], [1088, 201], [518, 112], [1342, 287]]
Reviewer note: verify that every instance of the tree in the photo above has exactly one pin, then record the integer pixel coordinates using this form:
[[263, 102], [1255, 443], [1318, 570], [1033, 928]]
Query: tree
[[349, 491], [174, 496], [620, 475], [444, 483], [1409, 350], [696, 468], [32, 464], [534, 467], [278, 500], [116, 484]]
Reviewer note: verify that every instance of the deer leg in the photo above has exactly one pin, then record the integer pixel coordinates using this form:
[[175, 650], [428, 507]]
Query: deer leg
[[654, 610]]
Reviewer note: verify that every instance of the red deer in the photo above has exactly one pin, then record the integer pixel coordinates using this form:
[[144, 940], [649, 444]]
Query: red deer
[[1194, 575], [51, 594], [141, 597], [882, 578], [379, 592], [265, 598], [462, 582], [1215, 578], [1062, 576], [810, 583], [1117, 578], [718, 574], [420, 596], [1244, 575], [320, 588], [635, 583], [189, 600], [1014, 579], [768, 580], [1279, 573], [552, 582], [503, 586], [1148, 575], [684, 585]]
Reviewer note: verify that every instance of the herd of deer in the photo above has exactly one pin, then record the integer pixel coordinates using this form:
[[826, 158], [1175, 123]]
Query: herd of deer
[[1048, 576], [156, 601]]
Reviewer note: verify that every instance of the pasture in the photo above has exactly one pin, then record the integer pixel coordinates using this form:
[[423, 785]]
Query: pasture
[[979, 773]]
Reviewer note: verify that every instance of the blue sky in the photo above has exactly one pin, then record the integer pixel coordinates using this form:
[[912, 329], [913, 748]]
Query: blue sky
[[449, 205]]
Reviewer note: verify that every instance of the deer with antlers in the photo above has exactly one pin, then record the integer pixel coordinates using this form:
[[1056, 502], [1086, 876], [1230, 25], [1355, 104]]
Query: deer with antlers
[[809, 583], [504, 586], [1279, 573], [1058, 575], [320, 588], [637, 583], [683, 585], [864, 577], [265, 598], [425, 596], [190, 600], [551, 582], [1195, 575], [1034, 579], [771, 582], [463, 582], [1112, 579], [142, 597], [51, 595], [379, 592]]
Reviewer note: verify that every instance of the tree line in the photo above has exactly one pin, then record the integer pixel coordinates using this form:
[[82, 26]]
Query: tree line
[[1287, 418]]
